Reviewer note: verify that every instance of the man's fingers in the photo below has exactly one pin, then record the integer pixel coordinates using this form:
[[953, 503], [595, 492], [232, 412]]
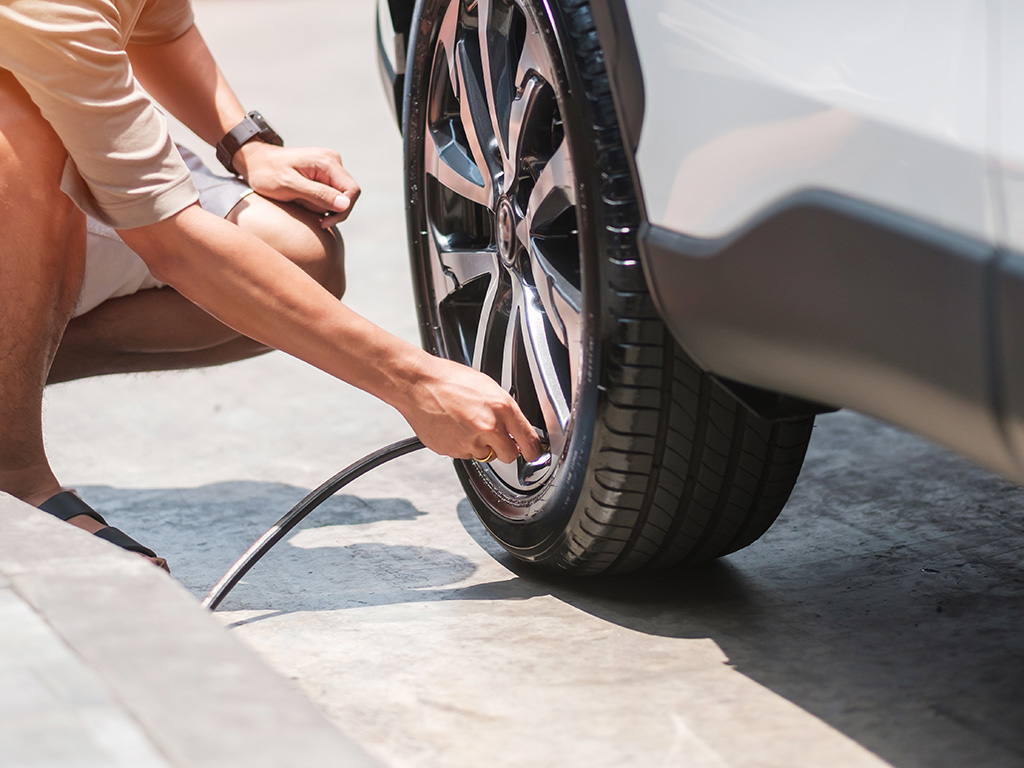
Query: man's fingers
[[311, 177], [484, 455], [331, 173], [505, 449], [514, 435], [338, 178], [524, 434], [322, 198], [334, 218]]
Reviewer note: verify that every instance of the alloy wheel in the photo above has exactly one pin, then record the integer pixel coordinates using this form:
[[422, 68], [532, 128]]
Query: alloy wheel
[[501, 215]]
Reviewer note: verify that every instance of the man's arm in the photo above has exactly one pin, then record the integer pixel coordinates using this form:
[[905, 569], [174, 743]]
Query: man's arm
[[247, 285], [184, 78]]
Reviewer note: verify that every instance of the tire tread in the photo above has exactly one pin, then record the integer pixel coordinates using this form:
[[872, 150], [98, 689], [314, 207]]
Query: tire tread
[[680, 465]]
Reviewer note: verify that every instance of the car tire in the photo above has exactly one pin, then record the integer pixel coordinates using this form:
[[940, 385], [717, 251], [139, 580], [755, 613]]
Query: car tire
[[522, 222]]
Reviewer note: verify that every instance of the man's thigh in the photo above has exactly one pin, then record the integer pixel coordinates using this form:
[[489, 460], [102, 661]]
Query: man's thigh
[[42, 233]]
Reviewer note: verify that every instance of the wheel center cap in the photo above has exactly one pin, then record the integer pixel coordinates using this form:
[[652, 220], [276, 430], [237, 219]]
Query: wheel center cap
[[506, 226]]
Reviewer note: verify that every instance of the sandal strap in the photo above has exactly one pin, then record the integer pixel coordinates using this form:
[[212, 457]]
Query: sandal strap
[[67, 504], [123, 540]]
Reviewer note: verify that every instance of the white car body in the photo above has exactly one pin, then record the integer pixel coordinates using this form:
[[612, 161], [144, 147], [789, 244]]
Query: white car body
[[913, 107], [887, 102]]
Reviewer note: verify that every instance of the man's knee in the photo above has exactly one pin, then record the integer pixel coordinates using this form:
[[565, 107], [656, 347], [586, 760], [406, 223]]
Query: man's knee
[[296, 233], [320, 252]]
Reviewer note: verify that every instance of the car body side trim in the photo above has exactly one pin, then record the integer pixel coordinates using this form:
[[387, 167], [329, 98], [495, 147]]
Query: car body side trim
[[843, 302], [1008, 318]]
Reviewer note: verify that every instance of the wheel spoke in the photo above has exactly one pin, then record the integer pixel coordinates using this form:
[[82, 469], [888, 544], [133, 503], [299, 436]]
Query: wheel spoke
[[559, 296], [510, 473], [567, 320], [455, 268], [489, 326], [454, 169], [555, 190], [522, 108], [476, 123], [442, 284], [447, 41], [562, 302], [465, 286], [533, 77], [464, 266], [454, 152], [496, 54], [533, 59], [509, 360], [543, 372]]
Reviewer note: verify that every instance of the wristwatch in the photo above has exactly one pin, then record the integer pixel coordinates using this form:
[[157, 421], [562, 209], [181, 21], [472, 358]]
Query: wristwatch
[[252, 127]]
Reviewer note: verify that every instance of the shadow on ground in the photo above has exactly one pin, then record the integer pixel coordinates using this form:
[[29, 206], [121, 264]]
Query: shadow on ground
[[202, 531], [921, 669], [886, 602]]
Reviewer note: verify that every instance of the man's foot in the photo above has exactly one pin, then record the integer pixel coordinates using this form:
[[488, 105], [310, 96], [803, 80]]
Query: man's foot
[[69, 506]]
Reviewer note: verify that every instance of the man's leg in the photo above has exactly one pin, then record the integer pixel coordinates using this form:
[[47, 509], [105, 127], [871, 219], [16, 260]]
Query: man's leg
[[42, 256], [158, 329]]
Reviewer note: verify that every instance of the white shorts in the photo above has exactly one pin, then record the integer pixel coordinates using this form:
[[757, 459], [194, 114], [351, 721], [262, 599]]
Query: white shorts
[[112, 269]]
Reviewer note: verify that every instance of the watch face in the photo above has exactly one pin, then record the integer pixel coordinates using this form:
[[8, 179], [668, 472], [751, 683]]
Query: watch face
[[266, 133], [254, 126]]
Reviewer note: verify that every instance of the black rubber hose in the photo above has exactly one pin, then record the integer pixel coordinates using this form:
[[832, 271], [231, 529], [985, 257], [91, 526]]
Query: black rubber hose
[[315, 498]]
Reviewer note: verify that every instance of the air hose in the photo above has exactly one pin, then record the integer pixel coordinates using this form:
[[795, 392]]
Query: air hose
[[280, 529]]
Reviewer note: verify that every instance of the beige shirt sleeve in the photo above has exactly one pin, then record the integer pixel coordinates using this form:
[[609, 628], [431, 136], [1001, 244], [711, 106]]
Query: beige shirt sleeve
[[69, 55], [162, 21]]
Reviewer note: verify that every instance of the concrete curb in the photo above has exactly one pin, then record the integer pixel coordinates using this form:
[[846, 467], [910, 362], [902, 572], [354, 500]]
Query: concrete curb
[[117, 664]]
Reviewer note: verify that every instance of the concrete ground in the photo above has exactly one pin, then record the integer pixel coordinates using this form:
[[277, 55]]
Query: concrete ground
[[105, 661], [877, 623]]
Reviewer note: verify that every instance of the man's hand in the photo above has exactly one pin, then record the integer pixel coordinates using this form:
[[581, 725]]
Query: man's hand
[[459, 412], [312, 177], [183, 76]]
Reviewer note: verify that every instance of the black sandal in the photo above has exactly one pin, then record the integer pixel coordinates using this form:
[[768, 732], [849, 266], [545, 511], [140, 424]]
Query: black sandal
[[68, 504]]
